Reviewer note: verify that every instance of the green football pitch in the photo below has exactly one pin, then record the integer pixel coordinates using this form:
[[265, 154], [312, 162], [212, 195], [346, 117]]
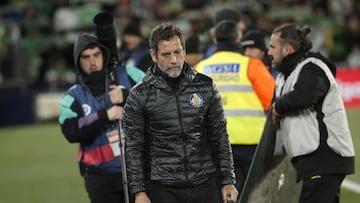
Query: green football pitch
[[39, 166]]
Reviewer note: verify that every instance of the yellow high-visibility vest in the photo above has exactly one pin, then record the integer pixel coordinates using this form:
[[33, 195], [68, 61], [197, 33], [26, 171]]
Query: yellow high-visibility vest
[[243, 110]]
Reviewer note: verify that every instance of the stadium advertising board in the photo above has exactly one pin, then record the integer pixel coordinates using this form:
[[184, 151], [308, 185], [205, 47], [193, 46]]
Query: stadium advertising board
[[348, 80]]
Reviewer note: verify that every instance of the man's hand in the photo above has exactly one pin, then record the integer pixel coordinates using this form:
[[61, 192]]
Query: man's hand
[[115, 113], [142, 197], [229, 193], [116, 95]]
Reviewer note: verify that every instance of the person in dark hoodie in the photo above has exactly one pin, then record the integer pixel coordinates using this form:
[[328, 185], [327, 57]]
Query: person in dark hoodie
[[89, 115], [310, 115]]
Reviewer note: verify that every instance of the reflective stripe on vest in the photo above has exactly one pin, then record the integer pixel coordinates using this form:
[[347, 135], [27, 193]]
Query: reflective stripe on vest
[[243, 110]]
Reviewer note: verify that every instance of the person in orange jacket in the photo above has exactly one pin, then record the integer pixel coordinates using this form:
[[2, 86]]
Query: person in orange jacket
[[247, 89], [253, 44]]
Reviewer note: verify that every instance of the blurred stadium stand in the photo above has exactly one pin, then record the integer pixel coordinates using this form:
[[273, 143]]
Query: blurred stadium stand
[[33, 33]]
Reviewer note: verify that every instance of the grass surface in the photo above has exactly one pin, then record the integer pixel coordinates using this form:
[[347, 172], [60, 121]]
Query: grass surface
[[39, 166], [348, 196]]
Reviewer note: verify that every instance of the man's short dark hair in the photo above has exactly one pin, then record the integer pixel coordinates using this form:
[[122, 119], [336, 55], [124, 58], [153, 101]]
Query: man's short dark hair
[[226, 31], [164, 31], [92, 45]]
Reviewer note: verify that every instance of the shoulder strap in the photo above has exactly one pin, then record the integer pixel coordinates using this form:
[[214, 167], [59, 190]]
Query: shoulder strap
[[123, 78]]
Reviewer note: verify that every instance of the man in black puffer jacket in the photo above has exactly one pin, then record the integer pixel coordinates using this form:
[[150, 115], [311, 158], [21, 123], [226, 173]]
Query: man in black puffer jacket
[[176, 139]]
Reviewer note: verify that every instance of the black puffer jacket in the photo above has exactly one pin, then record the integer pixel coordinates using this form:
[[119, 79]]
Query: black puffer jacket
[[176, 138]]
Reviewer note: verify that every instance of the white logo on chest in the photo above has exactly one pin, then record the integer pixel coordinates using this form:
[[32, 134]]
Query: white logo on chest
[[86, 109]]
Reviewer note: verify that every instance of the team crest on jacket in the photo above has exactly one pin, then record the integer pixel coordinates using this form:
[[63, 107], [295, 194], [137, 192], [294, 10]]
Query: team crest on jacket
[[196, 100], [86, 109]]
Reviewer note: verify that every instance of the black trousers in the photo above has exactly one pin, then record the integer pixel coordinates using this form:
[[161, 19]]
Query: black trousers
[[321, 189], [204, 193], [104, 187]]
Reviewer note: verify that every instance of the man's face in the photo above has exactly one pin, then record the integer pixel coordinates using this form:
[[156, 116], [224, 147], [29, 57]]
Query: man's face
[[91, 60], [131, 41], [254, 52], [277, 50], [241, 25], [170, 56]]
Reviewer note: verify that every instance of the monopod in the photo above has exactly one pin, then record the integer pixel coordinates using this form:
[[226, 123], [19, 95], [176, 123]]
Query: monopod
[[105, 32]]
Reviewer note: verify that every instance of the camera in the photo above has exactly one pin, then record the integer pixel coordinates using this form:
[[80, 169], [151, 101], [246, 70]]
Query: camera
[[105, 31]]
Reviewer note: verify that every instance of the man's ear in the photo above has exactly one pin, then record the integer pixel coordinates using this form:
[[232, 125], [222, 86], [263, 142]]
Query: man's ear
[[153, 55], [287, 49]]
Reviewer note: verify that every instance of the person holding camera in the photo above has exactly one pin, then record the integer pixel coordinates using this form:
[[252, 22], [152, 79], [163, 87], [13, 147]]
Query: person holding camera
[[89, 115]]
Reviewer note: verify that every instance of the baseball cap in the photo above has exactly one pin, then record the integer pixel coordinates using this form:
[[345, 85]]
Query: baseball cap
[[254, 38]]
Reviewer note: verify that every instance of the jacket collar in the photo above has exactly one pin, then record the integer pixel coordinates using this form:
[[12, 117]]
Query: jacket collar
[[289, 63], [153, 78], [228, 46]]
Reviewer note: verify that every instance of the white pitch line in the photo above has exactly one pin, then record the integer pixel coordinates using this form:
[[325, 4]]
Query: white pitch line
[[351, 185]]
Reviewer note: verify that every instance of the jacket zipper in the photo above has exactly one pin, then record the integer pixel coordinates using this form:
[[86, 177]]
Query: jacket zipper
[[183, 137]]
